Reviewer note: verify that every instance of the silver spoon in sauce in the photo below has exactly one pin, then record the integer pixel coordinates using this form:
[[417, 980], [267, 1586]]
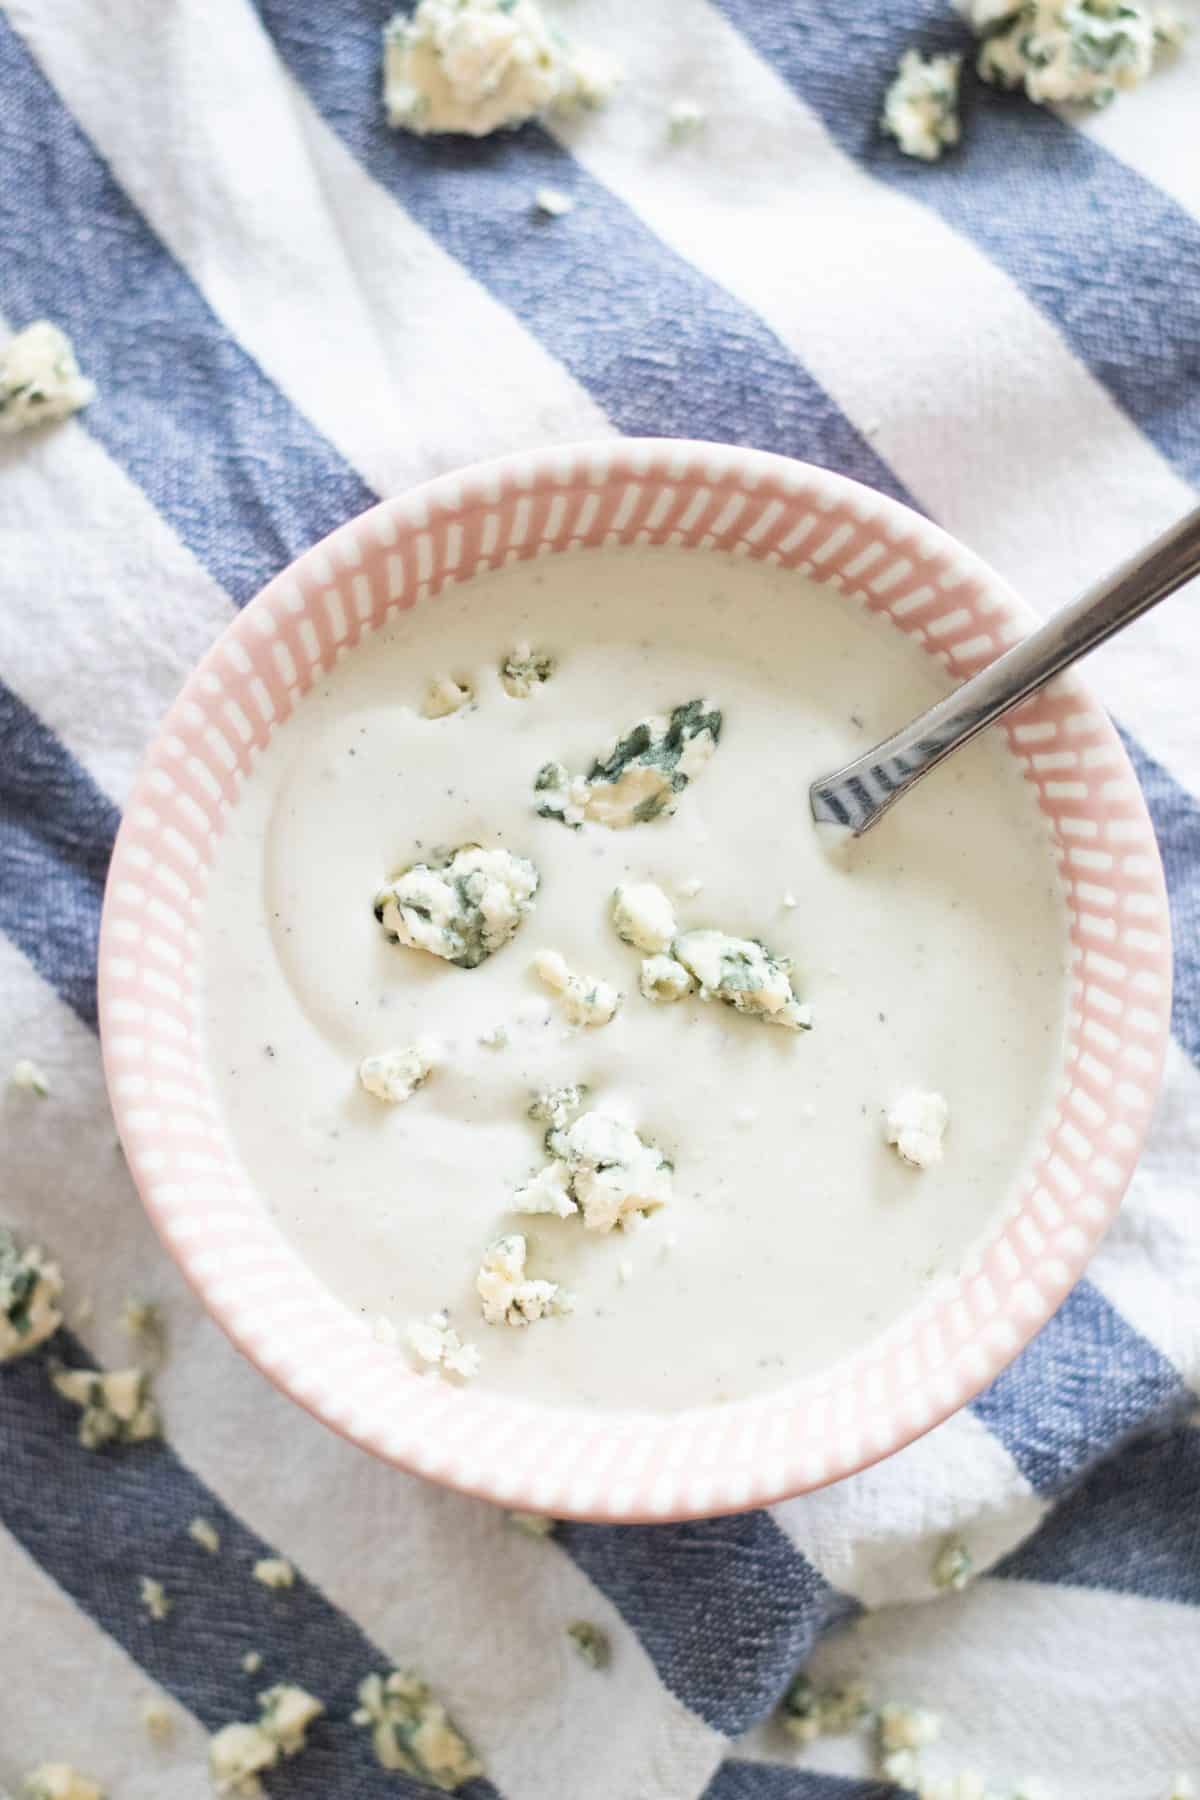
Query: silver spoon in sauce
[[856, 796]]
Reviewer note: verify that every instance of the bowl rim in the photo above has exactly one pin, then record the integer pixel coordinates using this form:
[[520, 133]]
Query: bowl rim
[[1062, 1213]]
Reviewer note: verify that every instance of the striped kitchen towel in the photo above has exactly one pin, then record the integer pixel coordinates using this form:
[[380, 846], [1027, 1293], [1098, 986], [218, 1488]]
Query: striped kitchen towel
[[288, 310]]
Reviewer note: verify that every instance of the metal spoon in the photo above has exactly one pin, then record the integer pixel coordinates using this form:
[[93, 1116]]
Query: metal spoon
[[853, 798]]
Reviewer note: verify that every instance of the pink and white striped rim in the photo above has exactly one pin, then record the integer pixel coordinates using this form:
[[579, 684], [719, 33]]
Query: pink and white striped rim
[[625, 1466]]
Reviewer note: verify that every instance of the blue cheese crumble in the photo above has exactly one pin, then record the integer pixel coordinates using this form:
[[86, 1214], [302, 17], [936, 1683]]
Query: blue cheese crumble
[[643, 916], [902, 1732], [445, 696], [586, 1000], [274, 1572], [920, 108], [40, 381], [744, 974], [478, 66], [116, 1407], [30, 1078], [1083, 51], [238, 1754], [741, 972], [154, 1598], [915, 1125], [602, 1169], [395, 1075], [808, 1712], [524, 670], [204, 1532], [30, 1288], [663, 980], [507, 1295], [534, 1525], [59, 1781], [435, 1342], [463, 909], [641, 775], [413, 1733]]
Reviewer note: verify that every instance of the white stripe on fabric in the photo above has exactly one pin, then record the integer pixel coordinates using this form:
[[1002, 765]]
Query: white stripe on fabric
[[876, 1535], [116, 610], [1092, 1691], [1153, 129], [436, 1578], [70, 1694], [1149, 1264], [377, 335], [904, 323]]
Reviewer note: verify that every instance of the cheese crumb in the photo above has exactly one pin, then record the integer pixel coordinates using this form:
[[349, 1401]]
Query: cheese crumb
[[507, 1295], [435, 1342], [1067, 50], [640, 776], [556, 1107], [59, 1781], [612, 1172], [395, 1075], [159, 1721], [412, 1732], [204, 1533], [495, 1039], [1182, 1787], [684, 119], [154, 1598], [663, 980], [238, 1754], [30, 1288], [953, 1565], [30, 1077], [554, 203], [274, 1572], [591, 1642], [445, 696], [901, 1733], [920, 108], [743, 973], [643, 916], [252, 1662], [549, 1191], [478, 66], [462, 910], [916, 1124], [808, 1712], [586, 1000], [40, 380], [117, 1407], [524, 669]]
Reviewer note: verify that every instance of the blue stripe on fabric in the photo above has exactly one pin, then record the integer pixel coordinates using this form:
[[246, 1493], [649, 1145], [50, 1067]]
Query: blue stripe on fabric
[[1112, 261], [728, 1609], [56, 835], [1176, 816], [240, 475], [1132, 1527], [741, 1780], [96, 1521], [1085, 1382], [664, 351]]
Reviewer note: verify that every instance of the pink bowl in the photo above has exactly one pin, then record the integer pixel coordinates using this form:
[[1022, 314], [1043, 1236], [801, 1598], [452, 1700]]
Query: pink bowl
[[627, 1466]]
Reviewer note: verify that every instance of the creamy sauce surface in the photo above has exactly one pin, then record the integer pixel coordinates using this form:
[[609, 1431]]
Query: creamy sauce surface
[[933, 953]]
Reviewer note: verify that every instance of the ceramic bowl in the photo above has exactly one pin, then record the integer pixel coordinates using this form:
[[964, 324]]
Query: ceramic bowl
[[606, 1466]]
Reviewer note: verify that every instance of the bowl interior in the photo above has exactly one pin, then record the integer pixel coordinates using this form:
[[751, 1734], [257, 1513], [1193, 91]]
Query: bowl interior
[[605, 1465]]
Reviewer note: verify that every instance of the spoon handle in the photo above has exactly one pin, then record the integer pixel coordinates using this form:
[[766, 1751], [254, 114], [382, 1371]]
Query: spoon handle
[[857, 795]]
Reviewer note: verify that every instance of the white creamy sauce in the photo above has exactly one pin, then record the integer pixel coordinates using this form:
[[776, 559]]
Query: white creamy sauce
[[933, 954]]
